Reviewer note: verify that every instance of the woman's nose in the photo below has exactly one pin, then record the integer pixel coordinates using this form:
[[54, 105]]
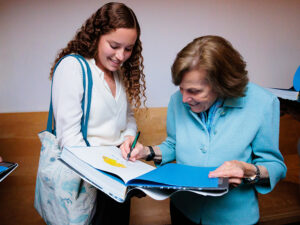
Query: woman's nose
[[185, 97], [120, 55]]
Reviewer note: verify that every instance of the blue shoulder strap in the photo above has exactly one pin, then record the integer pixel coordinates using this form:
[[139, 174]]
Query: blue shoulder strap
[[85, 117], [85, 106]]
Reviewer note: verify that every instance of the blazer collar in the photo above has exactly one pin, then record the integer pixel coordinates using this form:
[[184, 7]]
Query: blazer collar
[[235, 102]]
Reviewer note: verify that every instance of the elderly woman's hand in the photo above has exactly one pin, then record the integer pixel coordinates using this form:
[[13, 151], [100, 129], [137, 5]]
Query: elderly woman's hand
[[127, 143], [138, 152], [235, 170]]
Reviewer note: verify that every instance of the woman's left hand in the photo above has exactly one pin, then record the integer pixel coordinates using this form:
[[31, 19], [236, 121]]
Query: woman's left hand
[[235, 170]]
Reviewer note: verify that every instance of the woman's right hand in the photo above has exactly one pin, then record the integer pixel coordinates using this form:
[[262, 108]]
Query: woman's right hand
[[139, 152]]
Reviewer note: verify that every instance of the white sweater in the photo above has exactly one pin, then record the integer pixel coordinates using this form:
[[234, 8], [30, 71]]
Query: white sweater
[[111, 118]]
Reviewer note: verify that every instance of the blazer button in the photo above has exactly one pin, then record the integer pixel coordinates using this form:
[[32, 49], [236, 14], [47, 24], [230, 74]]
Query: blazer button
[[203, 150]]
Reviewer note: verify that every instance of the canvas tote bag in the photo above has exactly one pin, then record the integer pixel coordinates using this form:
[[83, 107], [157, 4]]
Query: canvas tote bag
[[61, 196]]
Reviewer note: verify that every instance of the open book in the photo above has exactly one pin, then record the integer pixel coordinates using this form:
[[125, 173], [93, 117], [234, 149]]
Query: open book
[[105, 168], [6, 168]]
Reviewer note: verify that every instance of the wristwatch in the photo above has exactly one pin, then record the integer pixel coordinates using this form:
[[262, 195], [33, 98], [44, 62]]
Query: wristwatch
[[253, 179], [151, 155]]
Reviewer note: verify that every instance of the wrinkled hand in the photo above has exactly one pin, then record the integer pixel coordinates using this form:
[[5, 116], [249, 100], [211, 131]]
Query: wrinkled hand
[[137, 153], [235, 170], [127, 144]]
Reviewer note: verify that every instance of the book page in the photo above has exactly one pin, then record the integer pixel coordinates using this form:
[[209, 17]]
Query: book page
[[109, 159]]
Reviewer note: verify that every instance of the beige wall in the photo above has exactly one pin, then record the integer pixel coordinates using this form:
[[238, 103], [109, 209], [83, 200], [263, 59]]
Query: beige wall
[[266, 32]]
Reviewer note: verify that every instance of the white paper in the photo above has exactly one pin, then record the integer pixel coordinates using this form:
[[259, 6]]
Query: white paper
[[109, 159]]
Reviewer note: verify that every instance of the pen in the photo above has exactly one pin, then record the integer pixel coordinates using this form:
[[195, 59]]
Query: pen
[[133, 144]]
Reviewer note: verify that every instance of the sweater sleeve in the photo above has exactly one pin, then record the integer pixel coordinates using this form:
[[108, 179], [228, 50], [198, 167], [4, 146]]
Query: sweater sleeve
[[131, 123], [266, 147], [67, 93]]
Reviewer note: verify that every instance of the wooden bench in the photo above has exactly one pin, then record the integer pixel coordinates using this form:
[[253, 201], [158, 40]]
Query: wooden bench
[[19, 143]]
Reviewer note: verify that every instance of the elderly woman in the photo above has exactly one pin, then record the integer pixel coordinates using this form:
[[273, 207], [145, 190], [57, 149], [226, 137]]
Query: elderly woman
[[219, 119]]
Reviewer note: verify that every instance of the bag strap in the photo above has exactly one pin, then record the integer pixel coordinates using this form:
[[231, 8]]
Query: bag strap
[[86, 98], [86, 108]]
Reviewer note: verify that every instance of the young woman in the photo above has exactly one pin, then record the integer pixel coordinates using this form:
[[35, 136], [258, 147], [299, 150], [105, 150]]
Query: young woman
[[110, 42]]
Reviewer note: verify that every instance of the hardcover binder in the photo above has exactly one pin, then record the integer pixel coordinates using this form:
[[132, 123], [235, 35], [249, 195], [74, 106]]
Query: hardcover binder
[[105, 168]]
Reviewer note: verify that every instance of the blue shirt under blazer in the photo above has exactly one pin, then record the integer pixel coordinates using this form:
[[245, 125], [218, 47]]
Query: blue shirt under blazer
[[244, 129]]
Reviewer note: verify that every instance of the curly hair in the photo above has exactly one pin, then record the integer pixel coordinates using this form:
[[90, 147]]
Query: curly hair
[[226, 69], [106, 19]]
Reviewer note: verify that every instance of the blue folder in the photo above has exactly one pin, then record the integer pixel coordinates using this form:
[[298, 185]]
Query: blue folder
[[178, 176]]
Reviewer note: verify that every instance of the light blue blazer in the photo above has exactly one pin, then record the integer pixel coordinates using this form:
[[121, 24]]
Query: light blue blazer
[[245, 129]]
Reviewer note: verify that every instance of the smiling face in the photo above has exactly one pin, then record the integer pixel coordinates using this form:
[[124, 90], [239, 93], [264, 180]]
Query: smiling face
[[196, 91], [115, 48]]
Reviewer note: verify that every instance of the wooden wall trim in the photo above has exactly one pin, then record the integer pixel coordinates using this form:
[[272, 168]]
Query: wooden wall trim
[[19, 143], [151, 121], [22, 125]]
